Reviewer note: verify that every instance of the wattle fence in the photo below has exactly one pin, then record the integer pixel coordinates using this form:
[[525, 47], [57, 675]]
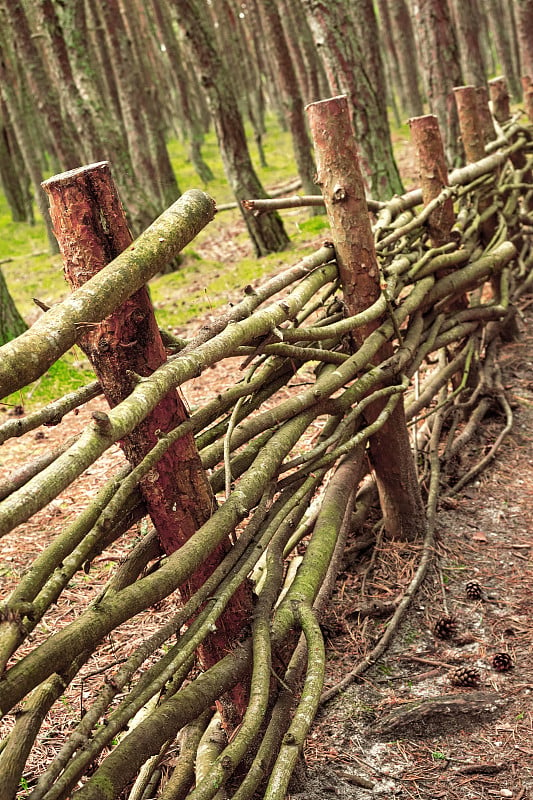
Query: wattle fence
[[364, 348]]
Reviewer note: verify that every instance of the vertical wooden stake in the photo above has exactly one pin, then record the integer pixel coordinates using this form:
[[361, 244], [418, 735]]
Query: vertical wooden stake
[[472, 134], [339, 176], [483, 110], [433, 174], [91, 228], [527, 86], [499, 95]]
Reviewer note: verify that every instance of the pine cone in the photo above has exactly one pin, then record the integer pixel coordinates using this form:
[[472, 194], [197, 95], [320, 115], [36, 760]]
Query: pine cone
[[445, 627], [474, 590], [465, 676], [502, 662]]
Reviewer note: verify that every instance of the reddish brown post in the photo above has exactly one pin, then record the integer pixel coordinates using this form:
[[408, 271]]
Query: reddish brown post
[[433, 175], [527, 86], [91, 229], [339, 176], [483, 110], [472, 134], [499, 95]]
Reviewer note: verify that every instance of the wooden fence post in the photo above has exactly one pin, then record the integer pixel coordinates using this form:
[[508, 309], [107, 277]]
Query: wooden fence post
[[472, 133], [433, 174], [499, 95], [339, 176], [483, 109], [91, 228], [527, 86]]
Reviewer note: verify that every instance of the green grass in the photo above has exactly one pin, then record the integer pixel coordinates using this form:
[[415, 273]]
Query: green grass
[[200, 285]]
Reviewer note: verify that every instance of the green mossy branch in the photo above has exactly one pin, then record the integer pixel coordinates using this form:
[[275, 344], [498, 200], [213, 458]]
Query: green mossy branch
[[292, 331]]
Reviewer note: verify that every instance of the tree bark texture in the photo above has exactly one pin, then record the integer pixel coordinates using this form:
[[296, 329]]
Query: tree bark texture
[[342, 186], [91, 228], [499, 95], [292, 102], [335, 38], [470, 124], [404, 38], [266, 231], [466, 17], [485, 115], [11, 323], [441, 69], [524, 24], [433, 175]]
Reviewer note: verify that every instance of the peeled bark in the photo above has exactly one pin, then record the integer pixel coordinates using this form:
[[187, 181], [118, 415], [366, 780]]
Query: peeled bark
[[11, 323], [466, 14], [125, 347], [470, 123], [433, 175], [343, 189]]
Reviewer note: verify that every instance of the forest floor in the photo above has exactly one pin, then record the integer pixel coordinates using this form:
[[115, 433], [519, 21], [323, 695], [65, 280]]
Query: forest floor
[[458, 742], [404, 729]]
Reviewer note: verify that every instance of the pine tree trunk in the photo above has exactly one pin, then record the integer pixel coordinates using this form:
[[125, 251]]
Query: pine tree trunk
[[503, 41], [11, 323], [13, 175], [291, 98], [16, 109], [441, 69], [126, 346], [266, 231], [63, 137], [404, 38], [524, 20], [466, 16], [334, 35]]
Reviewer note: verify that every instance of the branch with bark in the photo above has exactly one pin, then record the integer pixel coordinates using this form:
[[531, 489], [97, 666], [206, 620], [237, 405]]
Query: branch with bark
[[313, 370]]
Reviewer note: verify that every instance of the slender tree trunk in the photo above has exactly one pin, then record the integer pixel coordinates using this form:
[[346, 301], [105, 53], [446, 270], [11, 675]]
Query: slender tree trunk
[[291, 98], [334, 36], [503, 43], [441, 68], [191, 123], [300, 40], [404, 38], [97, 106], [266, 231], [467, 20], [11, 323], [524, 20], [14, 94], [151, 90], [13, 175], [63, 137], [390, 55]]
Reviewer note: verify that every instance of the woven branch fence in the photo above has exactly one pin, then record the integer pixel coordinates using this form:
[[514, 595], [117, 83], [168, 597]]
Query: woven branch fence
[[273, 472]]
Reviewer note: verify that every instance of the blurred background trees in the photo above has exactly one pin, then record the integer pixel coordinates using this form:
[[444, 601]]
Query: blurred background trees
[[86, 80]]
